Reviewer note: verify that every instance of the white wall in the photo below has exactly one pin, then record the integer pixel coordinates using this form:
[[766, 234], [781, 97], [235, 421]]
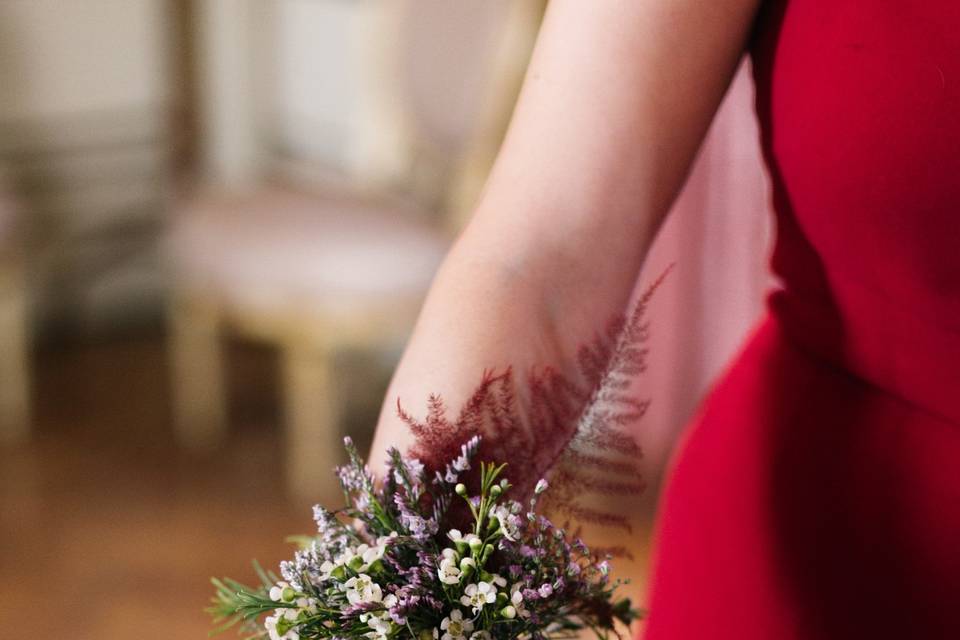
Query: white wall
[[60, 57], [84, 143]]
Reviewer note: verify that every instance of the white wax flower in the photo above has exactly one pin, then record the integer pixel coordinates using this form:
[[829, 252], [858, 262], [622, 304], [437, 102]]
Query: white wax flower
[[270, 624], [362, 588], [327, 569], [479, 594], [455, 627], [278, 591], [473, 541], [345, 558], [516, 599], [307, 604], [470, 539], [507, 528], [449, 572], [361, 549], [374, 553], [379, 623]]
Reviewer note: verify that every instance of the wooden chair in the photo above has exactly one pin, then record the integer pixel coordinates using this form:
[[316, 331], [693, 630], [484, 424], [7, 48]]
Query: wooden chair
[[317, 270]]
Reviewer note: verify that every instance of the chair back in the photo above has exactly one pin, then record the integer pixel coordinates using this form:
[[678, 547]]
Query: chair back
[[385, 94], [457, 68]]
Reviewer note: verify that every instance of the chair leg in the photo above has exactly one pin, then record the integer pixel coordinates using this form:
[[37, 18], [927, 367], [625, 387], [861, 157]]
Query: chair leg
[[14, 361], [196, 373], [313, 439]]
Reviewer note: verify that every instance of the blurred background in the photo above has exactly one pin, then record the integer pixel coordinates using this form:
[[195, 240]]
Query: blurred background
[[218, 219]]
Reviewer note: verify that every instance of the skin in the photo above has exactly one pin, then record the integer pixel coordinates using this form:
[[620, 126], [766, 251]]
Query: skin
[[616, 102]]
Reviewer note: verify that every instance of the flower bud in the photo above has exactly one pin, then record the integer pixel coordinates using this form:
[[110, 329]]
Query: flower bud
[[509, 612], [487, 551], [288, 594], [461, 489], [475, 543], [495, 490]]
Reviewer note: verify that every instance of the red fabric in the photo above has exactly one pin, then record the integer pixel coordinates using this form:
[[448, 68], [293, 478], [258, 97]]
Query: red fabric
[[817, 494]]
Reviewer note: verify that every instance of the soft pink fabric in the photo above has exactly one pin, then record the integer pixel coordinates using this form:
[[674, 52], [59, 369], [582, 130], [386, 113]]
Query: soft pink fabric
[[717, 237]]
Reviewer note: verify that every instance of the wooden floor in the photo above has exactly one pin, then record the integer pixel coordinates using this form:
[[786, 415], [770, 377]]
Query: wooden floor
[[109, 531]]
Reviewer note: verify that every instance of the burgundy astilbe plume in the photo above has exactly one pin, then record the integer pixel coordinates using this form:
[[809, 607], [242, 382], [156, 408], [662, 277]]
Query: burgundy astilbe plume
[[572, 430]]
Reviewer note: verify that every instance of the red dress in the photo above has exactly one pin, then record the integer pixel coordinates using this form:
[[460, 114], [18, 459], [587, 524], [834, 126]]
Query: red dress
[[817, 494]]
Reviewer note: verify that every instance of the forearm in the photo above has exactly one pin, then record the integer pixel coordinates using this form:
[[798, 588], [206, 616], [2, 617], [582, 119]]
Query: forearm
[[617, 100], [493, 307]]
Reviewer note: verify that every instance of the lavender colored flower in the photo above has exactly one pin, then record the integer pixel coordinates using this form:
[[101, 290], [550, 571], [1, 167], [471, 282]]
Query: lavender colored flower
[[417, 555]]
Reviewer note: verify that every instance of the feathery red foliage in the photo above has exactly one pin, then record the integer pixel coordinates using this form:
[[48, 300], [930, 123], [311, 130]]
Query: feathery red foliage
[[573, 431]]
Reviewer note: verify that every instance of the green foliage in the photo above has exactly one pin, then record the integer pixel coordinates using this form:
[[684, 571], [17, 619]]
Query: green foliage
[[407, 557]]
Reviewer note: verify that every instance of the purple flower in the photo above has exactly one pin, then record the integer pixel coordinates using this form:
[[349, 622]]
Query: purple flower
[[394, 543], [462, 462], [419, 527], [354, 610]]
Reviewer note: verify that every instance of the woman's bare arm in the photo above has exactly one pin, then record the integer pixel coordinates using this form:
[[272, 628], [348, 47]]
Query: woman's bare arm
[[617, 99]]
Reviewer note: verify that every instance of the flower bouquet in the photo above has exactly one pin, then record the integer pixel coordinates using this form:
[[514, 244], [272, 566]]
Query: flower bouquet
[[429, 559], [453, 544]]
